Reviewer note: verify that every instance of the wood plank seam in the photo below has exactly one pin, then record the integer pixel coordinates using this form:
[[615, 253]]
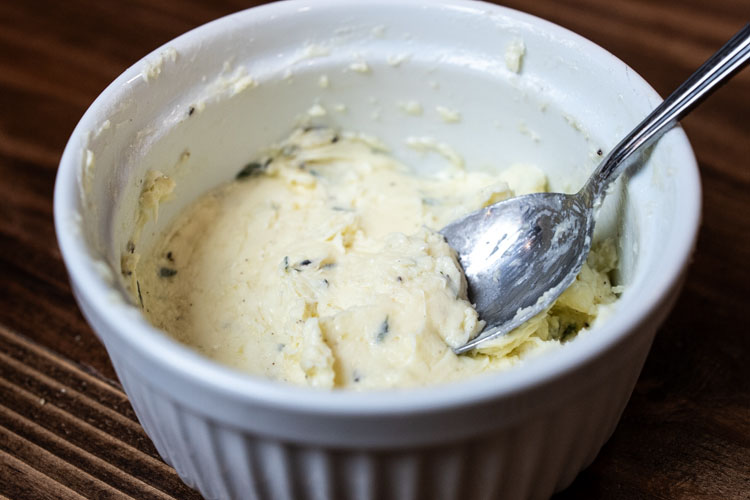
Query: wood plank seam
[[16, 338], [61, 492], [81, 428], [8, 416], [26, 370], [33, 455]]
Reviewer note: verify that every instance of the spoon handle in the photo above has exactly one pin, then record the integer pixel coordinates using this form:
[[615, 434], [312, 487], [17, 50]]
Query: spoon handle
[[721, 66]]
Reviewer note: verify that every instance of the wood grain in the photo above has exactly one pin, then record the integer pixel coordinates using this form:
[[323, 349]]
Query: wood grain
[[68, 431], [72, 430]]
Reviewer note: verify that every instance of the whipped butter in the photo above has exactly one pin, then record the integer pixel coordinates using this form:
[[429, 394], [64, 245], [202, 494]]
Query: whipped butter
[[321, 265]]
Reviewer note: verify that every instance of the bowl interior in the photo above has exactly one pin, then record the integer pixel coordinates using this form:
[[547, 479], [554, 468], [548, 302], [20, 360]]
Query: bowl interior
[[224, 92]]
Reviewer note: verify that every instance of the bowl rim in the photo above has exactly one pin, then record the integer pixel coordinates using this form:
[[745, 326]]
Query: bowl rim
[[199, 371]]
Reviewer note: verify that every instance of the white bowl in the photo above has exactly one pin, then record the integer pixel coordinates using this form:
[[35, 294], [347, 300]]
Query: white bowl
[[523, 433]]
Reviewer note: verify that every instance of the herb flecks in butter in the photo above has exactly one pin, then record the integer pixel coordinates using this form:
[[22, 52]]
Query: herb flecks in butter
[[383, 330], [167, 272], [347, 270], [140, 296], [251, 169]]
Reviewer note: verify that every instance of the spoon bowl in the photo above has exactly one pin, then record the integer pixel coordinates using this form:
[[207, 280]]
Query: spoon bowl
[[545, 238], [519, 255]]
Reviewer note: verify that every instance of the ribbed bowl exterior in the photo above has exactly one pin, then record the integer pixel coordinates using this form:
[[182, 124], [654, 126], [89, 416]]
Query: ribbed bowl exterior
[[234, 437], [533, 458]]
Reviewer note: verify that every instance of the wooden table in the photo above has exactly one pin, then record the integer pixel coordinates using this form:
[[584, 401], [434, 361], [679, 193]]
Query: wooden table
[[66, 427]]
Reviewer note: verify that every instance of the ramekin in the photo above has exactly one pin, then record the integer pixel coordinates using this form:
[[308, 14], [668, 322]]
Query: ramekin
[[226, 89]]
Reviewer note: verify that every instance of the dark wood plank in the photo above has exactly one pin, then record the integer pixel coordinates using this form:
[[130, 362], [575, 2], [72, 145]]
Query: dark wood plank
[[53, 467], [22, 482], [76, 428]]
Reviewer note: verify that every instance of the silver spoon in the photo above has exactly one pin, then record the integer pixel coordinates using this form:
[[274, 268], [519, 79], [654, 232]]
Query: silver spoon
[[519, 255]]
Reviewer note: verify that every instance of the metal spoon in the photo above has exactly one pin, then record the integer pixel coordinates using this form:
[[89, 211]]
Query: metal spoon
[[519, 255]]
